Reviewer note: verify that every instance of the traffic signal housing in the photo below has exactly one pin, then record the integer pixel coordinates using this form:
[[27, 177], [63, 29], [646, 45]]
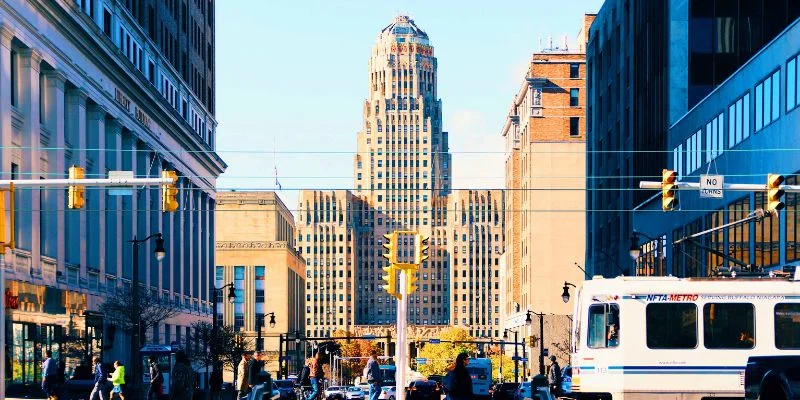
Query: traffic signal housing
[[411, 281], [391, 280], [775, 193], [76, 197], [668, 190], [421, 248], [391, 248], [169, 193], [532, 341]]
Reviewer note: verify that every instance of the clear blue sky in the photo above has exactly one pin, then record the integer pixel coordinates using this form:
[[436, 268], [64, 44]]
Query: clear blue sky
[[293, 75]]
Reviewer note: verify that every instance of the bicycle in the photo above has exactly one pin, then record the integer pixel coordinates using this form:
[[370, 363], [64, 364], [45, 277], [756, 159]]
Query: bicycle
[[302, 392]]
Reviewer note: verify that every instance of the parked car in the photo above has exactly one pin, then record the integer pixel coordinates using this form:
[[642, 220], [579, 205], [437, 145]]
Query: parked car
[[772, 377], [504, 391], [335, 393], [566, 380], [423, 390], [355, 393], [388, 393], [286, 389]]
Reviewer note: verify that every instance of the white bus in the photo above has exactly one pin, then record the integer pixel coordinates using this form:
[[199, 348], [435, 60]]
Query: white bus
[[480, 369], [669, 338]]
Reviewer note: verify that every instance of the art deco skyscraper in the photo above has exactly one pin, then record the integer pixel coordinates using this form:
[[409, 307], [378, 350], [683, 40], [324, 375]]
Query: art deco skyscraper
[[402, 171]]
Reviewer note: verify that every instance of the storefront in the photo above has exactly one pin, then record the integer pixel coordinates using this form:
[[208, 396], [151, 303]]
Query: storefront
[[40, 318]]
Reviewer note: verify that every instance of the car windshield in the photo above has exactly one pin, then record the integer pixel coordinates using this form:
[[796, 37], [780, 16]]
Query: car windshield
[[353, 389]]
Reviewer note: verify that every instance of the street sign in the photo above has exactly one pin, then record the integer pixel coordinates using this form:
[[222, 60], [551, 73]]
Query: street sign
[[434, 341], [711, 186], [369, 337], [516, 358], [546, 352], [524, 359], [422, 361], [120, 191]]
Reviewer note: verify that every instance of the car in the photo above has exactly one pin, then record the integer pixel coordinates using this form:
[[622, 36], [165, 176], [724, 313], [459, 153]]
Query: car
[[566, 380], [354, 393], [388, 393], [286, 389], [504, 391], [335, 393], [523, 391], [423, 389], [364, 388]]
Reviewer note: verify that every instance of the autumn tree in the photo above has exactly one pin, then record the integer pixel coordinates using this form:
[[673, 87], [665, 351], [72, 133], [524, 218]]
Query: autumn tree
[[442, 355], [121, 311]]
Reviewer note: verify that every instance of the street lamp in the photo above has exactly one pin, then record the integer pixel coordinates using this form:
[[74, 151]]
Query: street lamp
[[516, 352], [565, 294], [529, 321], [231, 299], [159, 253], [259, 325], [634, 250]]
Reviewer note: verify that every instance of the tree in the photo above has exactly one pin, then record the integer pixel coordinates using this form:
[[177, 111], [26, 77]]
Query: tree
[[233, 345], [441, 356], [119, 309], [507, 364], [359, 350], [203, 348]]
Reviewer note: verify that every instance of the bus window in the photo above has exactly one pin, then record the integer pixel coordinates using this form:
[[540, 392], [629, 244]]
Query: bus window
[[603, 326], [728, 326], [787, 318], [671, 325]]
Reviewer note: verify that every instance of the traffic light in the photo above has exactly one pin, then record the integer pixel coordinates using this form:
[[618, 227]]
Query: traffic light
[[421, 247], [391, 280], [532, 341], [169, 193], [775, 193], [77, 193], [668, 200], [411, 281], [390, 245]]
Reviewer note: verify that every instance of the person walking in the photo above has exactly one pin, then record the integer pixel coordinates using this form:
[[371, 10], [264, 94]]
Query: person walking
[[254, 368], [458, 382], [99, 390], [49, 375], [554, 376], [118, 379], [182, 378], [373, 375], [315, 371], [156, 380], [242, 384]]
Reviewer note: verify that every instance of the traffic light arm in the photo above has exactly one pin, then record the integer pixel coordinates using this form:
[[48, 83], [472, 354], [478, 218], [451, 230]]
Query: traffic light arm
[[744, 187], [122, 182]]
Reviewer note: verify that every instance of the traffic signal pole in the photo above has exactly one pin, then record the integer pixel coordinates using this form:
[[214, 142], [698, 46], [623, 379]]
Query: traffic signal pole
[[400, 359]]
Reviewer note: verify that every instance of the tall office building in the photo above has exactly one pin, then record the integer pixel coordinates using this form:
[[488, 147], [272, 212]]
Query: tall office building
[[93, 83], [649, 63], [545, 139]]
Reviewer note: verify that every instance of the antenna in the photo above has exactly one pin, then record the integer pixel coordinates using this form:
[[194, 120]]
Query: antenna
[[550, 42], [275, 161], [566, 46], [540, 43]]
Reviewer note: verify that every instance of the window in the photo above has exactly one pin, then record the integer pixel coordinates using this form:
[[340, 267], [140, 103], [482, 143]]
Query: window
[[728, 326], [603, 326], [14, 78], [792, 87], [767, 100], [106, 22], [739, 121], [574, 71], [787, 316], [573, 97], [671, 325], [573, 126]]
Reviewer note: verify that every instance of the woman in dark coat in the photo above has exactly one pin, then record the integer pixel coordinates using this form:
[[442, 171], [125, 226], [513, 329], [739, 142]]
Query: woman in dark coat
[[461, 387]]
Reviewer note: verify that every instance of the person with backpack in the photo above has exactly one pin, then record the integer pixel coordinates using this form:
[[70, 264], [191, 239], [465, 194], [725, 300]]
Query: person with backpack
[[156, 380], [458, 383], [316, 374], [554, 376]]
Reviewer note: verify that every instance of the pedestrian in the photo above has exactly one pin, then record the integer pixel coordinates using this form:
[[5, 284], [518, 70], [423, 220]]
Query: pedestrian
[[118, 380], [554, 376], [373, 375], [182, 378], [242, 384], [99, 390], [49, 375], [156, 388], [458, 382], [315, 371], [215, 381], [254, 367]]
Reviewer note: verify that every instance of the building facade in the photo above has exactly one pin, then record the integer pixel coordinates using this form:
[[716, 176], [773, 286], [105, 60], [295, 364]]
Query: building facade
[[255, 251], [85, 83], [736, 131], [649, 62], [545, 134]]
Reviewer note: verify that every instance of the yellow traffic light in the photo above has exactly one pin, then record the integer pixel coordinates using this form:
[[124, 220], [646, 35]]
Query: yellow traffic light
[[391, 280], [169, 193], [76, 193], [390, 245], [411, 281], [421, 248], [668, 200], [775, 193], [532, 341]]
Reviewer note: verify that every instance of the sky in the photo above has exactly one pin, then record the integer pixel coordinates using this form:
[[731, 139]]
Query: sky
[[292, 79]]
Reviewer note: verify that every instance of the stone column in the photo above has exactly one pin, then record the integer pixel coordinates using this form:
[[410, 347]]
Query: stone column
[[28, 199], [56, 202], [5, 101], [112, 204], [75, 154], [95, 168]]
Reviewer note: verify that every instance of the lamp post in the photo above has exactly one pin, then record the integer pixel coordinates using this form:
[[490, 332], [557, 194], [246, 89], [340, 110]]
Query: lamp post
[[516, 353], [259, 325], [214, 322], [160, 253], [565, 293], [529, 321]]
